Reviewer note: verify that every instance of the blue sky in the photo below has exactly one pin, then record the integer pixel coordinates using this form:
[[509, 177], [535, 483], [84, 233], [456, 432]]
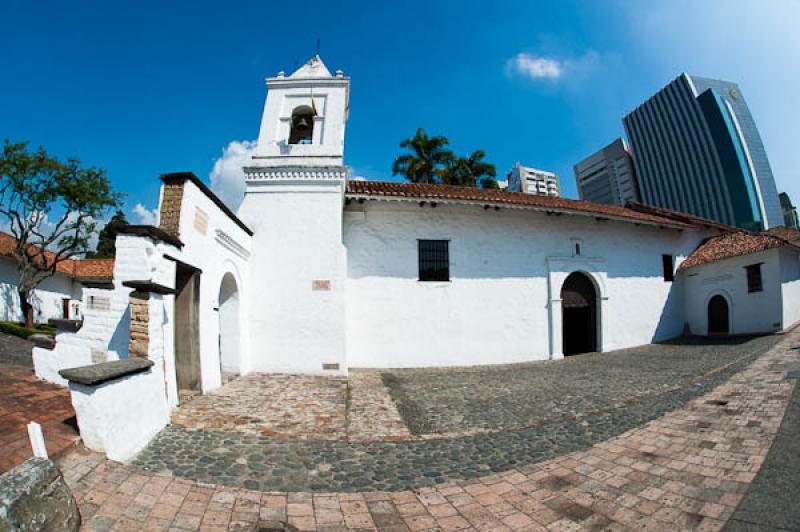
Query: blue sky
[[144, 88]]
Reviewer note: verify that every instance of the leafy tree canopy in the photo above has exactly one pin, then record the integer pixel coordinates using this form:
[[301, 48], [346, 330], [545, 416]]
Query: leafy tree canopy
[[50, 207], [470, 171], [431, 161], [106, 239], [427, 159]]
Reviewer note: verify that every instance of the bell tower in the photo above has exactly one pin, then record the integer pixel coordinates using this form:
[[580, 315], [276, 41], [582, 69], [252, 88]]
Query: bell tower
[[293, 202], [303, 122]]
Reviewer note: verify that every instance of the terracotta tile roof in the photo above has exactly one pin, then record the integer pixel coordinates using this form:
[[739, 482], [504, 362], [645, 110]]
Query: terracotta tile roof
[[787, 233], [77, 268], [94, 268], [733, 244], [501, 197], [677, 215]]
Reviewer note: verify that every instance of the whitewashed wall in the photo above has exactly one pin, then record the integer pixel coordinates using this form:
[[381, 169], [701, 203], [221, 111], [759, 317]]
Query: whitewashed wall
[[756, 312], [295, 326], [216, 245], [496, 309], [47, 298], [105, 334], [790, 286], [121, 416]]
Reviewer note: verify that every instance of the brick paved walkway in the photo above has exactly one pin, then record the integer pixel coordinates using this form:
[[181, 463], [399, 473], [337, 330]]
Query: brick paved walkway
[[25, 398], [685, 470]]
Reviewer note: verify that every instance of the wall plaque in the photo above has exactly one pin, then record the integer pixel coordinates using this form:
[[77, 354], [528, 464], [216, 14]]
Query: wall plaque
[[321, 284]]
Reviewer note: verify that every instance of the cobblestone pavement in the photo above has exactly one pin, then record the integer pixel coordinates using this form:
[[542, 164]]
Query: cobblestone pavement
[[687, 469], [259, 462], [278, 406], [23, 399], [463, 400]]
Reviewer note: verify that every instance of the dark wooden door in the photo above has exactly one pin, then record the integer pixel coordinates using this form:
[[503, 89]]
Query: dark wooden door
[[578, 315], [718, 315], [187, 328]]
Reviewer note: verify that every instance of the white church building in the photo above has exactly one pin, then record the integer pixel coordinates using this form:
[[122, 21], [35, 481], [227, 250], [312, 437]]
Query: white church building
[[317, 274]]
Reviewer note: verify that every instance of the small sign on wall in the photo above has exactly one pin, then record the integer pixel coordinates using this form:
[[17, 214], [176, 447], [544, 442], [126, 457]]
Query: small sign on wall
[[99, 303], [200, 220], [321, 284]]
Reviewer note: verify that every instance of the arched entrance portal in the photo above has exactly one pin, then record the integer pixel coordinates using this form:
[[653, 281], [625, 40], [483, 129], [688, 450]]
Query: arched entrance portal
[[718, 315], [578, 314], [229, 359]]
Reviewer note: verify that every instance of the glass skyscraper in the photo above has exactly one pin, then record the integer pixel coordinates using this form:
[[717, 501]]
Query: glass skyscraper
[[696, 149]]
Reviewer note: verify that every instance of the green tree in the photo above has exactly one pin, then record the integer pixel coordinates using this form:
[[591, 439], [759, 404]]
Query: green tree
[[107, 237], [51, 207], [428, 157], [470, 171]]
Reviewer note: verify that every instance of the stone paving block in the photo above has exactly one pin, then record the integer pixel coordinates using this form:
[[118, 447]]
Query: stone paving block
[[671, 477]]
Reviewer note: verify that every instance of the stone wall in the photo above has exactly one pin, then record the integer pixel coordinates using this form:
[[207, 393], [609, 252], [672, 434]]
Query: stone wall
[[140, 319], [34, 497], [170, 214]]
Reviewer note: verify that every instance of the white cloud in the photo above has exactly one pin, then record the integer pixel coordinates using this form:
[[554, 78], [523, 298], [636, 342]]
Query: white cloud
[[551, 68], [227, 176], [531, 66], [145, 216]]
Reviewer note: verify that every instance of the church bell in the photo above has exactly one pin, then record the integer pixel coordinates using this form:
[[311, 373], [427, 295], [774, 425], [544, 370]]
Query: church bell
[[301, 123]]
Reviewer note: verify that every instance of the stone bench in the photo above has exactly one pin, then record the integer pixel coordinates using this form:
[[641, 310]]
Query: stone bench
[[120, 405]]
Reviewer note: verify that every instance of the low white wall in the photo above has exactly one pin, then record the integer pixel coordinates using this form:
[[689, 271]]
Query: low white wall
[[749, 313], [121, 416], [507, 268], [790, 286], [47, 363], [105, 333], [47, 297]]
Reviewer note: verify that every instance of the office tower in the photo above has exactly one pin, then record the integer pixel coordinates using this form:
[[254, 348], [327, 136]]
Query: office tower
[[696, 149], [607, 175]]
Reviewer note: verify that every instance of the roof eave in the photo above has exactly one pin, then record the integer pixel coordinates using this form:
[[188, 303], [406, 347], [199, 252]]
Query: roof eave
[[381, 197]]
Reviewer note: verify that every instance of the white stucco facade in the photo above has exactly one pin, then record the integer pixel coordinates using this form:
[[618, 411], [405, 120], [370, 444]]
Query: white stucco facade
[[502, 303], [48, 297], [217, 246], [790, 286], [773, 308]]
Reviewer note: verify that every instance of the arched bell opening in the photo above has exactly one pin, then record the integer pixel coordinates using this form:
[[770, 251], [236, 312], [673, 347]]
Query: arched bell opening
[[302, 127]]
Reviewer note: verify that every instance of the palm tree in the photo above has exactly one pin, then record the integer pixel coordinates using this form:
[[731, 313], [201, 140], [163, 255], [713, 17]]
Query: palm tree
[[470, 171], [425, 163]]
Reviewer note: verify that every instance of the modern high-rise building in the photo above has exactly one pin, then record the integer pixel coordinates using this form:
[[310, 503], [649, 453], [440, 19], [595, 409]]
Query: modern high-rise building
[[533, 181], [607, 176], [696, 149], [789, 211]]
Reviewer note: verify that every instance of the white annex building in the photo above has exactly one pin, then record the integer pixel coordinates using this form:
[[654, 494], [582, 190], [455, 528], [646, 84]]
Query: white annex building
[[315, 274]]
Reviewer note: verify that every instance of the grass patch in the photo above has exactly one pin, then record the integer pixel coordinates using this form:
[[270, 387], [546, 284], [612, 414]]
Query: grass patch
[[17, 329]]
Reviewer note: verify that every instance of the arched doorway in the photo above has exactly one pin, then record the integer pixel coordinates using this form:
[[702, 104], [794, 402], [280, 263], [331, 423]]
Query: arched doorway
[[718, 322], [229, 359], [578, 314]]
